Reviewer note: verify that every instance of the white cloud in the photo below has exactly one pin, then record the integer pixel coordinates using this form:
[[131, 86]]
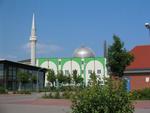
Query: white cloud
[[44, 48], [8, 57]]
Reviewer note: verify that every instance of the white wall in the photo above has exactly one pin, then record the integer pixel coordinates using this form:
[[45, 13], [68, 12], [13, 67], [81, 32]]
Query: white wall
[[71, 65], [49, 65], [93, 66]]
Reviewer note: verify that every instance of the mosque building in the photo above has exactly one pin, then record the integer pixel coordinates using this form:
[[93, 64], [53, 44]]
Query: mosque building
[[84, 61]]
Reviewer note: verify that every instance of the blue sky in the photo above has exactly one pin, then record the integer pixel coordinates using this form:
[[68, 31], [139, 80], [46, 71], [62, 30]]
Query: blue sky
[[63, 25]]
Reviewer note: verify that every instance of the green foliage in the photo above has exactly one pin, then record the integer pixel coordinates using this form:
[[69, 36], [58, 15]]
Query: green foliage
[[34, 79], [93, 79], [118, 57], [102, 99], [49, 96], [22, 92], [79, 80], [143, 94], [57, 95], [68, 79], [60, 77], [23, 77], [67, 94], [2, 90], [76, 78], [53, 95], [51, 76], [64, 92]]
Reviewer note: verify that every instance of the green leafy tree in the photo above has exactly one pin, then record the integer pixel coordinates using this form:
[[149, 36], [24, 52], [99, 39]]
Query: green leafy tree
[[79, 80], [51, 77], [75, 76], [60, 77], [102, 99], [33, 80], [93, 79], [68, 79], [118, 57], [23, 78], [65, 79]]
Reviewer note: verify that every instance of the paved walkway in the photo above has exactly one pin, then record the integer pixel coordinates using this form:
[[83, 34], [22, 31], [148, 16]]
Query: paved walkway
[[21, 108], [34, 104]]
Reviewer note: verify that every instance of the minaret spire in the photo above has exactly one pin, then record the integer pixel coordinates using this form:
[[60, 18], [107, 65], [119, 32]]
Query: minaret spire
[[33, 29], [33, 41]]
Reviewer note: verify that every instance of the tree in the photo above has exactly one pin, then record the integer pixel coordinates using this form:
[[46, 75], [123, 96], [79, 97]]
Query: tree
[[60, 77], [118, 57], [102, 99], [51, 76], [79, 80], [23, 77], [68, 79], [93, 78], [33, 80], [75, 76]]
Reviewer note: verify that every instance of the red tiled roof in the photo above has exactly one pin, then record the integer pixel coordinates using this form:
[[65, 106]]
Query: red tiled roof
[[141, 57]]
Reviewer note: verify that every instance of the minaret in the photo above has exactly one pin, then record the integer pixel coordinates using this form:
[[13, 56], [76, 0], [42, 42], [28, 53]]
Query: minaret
[[33, 42]]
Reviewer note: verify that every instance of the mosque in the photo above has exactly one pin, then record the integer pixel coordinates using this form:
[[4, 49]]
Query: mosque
[[84, 61]]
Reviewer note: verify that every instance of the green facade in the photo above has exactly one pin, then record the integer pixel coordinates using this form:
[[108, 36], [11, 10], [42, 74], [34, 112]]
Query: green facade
[[82, 65]]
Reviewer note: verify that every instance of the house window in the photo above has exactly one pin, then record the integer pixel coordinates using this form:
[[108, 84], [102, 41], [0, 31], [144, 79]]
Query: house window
[[66, 72], [98, 71], [147, 79]]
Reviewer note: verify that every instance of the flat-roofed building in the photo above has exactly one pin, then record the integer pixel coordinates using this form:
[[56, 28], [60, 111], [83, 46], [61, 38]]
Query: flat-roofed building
[[10, 69]]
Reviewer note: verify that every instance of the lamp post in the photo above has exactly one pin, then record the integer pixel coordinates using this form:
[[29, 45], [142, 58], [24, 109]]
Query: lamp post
[[37, 81], [147, 25]]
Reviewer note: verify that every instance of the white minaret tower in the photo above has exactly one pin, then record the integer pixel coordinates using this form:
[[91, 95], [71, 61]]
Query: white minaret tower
[[33, 42]]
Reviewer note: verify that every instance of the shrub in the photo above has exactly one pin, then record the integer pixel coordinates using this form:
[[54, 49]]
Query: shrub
[[22, 92], [50, 95], [143, 94], [53, 95], [102, 99], [67, 94], [2, 90], [57, 95]]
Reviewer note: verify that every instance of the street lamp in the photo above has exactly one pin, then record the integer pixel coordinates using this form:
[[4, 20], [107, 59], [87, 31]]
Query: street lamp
[[147, 25]]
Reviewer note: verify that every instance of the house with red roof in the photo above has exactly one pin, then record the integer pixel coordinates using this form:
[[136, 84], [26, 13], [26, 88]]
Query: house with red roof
[[138, 72]]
